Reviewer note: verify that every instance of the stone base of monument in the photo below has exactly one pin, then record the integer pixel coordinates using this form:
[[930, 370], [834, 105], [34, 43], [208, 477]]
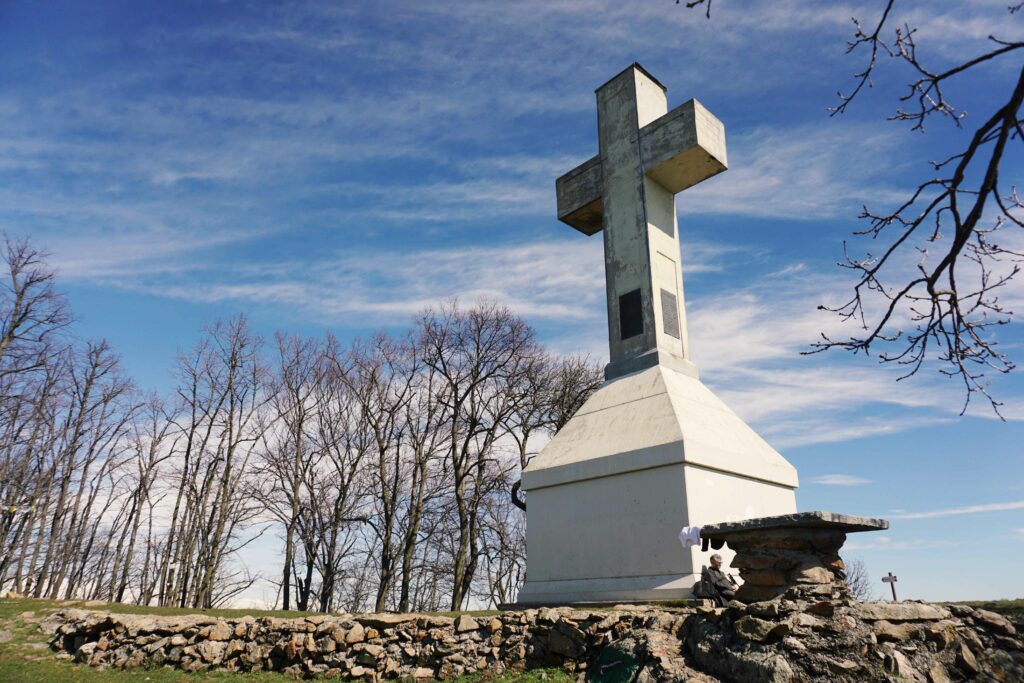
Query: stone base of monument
[[794, 556], [772, 641]]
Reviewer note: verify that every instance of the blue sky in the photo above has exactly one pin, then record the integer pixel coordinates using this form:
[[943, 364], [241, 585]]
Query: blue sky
[[339, 166]]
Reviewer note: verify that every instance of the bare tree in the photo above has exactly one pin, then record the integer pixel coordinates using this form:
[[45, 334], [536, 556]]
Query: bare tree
[[223, 393], [151, 447], [33, 365], [932, 290], [381, 377], [339, 495], [480, 356], [858, 580], [575, 378], [32, 313], [286, 474], [89, 449], [503, 551], [386, 465], [425, 442], [553, 390]]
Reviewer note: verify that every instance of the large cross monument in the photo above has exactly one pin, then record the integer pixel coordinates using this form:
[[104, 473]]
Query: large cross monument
[[653, 450]]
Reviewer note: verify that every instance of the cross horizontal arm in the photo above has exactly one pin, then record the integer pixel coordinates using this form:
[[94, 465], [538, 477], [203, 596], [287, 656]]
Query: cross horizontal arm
[[679, 149], [579, 197], [683, 147]]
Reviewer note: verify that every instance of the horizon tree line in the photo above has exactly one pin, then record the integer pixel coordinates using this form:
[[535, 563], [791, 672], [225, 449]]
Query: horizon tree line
[[387, 466]]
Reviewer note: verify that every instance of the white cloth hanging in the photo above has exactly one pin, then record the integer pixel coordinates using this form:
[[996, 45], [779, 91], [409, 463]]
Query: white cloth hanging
[[689, 536]]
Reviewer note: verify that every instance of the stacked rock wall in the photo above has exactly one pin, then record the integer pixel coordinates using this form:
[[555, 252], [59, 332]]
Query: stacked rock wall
[[772, 562], [786, 639], [792, 640], [360, 646]]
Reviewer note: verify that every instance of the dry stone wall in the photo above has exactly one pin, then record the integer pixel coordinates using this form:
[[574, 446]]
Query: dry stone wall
[[773, 562], [786, 639], [354, 646]]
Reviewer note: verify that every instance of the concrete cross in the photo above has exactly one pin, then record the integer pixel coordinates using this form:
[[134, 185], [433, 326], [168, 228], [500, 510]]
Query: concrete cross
[[891, 580], [646, 155]]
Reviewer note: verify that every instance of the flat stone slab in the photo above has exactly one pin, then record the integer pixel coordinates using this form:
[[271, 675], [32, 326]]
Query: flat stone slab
[[901, 611], [817, 519]]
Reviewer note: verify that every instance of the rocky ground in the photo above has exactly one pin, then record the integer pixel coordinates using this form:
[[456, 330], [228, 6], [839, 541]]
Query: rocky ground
[[786, 639]]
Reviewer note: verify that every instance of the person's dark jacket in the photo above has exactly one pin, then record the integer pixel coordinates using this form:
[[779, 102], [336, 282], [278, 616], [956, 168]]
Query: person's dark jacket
[[718, 579]]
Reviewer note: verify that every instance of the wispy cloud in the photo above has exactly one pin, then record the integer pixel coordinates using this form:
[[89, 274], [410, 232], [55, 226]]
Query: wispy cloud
[[840, 480], [958, 31], [887, 544], [348, 184], [747, 341], [118, 257], [389, 287], [967, 510], [784, 172]]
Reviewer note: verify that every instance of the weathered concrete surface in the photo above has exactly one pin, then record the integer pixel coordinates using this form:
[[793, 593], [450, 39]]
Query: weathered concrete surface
[[641, 240], [646, 155]]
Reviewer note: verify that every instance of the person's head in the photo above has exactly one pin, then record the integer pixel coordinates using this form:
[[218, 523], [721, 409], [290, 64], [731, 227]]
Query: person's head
[[716, 561]]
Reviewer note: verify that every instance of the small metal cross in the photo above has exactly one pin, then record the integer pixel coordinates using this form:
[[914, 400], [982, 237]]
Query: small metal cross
[[891, 580]]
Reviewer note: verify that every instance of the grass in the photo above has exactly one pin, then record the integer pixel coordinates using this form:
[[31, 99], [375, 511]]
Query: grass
[[1008, 608], [25, 658]]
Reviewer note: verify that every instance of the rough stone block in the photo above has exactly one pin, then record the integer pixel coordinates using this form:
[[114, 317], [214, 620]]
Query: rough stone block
[[567, 640], [220, 631], [937, 674], [810, 573], [465, 623], [758, 630], [888, 632], [994, 622], [901, 611], [767, 577], [751, 593], [356, 634]]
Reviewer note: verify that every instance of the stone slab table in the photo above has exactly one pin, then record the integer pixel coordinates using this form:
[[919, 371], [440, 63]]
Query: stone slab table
[[794, 556]]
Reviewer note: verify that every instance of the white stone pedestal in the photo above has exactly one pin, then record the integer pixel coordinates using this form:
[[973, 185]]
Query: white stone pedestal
[[649, 453]]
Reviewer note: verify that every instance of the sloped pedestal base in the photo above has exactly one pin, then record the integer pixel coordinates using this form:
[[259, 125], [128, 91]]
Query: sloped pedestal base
[[648, 454]]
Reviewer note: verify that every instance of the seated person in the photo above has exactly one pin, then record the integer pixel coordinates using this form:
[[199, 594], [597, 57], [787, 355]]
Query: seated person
[[717, 585]]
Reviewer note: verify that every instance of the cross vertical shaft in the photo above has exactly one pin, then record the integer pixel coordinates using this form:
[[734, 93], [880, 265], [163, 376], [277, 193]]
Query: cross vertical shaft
[[641, 243]]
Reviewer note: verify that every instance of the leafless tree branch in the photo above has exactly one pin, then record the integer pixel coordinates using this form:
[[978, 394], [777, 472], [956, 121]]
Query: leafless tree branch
[[948, 307]]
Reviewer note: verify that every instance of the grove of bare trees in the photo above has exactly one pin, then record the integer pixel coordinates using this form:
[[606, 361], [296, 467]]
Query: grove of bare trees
[[380, 472]]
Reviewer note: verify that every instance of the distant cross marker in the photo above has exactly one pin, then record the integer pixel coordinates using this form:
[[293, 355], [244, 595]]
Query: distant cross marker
[[628, 190], [891, 580]]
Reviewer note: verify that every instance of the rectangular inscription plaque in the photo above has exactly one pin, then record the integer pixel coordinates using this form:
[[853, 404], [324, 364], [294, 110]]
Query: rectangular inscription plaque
[[670, 314]]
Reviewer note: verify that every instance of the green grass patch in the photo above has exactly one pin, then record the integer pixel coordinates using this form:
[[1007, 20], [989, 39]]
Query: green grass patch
[[26, 658]]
